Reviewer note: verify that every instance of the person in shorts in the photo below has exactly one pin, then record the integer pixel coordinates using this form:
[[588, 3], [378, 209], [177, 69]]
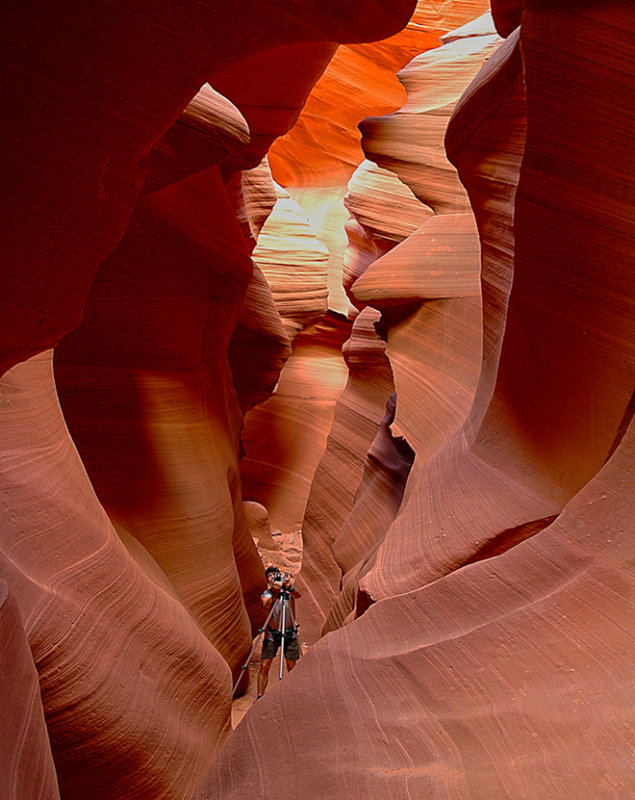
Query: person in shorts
[[276, 582]]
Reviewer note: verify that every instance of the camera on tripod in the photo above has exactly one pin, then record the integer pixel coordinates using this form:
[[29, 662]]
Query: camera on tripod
[[279, 577], [279, 598]]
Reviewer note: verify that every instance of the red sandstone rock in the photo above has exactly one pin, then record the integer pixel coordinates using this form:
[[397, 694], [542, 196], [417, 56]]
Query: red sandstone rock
[[410, 142], [324, 149], [494, 661], [136, 392], [58, 60], [146, 382], [379, 496], [439, 260], [358, 412], [507, 15], [26, 762], [210, 128], [259, 345], [434, 351], [486, 142], [285, 436], [294, 262], [270, 88], [485, 661], [434, 348], [126, 675], [483, 683], [383, 213], [382, 204], [315, 160], [253, 194]]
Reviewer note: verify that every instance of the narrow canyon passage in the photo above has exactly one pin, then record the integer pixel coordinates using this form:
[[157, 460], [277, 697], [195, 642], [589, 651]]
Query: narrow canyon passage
[[344, 288]]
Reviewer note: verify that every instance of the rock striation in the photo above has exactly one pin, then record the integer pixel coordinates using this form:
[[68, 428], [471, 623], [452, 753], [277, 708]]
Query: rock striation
[[317, 158], [446, 670], [124, 539], [441, 262], [426, 285], [26, 762], [456, 441], [106, 629], [489, 649], [294, 263]]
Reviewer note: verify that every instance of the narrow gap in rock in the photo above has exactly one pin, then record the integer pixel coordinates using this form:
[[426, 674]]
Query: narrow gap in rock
[[510, 538]]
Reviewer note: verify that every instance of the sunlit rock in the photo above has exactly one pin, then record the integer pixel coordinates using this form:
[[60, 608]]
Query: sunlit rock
[[129, 557], [491, 646], [294, 262], [316, 159]]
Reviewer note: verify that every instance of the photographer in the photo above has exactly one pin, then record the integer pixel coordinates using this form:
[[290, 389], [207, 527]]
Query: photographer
[[279, 587]]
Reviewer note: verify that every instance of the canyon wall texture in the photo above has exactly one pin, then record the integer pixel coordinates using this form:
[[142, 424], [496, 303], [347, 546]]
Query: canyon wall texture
[[489, 653], [414, 342], [124, 541]]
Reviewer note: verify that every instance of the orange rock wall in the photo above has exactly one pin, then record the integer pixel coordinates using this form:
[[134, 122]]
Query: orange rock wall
[[316, 159], [479, 640], [490, 657], [426, 285], [126, 546]]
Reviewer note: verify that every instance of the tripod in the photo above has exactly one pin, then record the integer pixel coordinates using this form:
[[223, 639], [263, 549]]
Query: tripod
[[286, 613]]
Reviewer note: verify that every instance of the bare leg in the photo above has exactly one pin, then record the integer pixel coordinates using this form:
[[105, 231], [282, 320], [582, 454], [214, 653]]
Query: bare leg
[[263, 675], [290, 664]]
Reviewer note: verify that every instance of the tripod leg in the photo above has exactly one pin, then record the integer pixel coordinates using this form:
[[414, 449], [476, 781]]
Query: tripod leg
[[293, 622], [251, 652], [295, 626], [282, 629]]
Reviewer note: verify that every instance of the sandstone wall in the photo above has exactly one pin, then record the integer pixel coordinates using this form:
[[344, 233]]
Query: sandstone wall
[[468, 530], [489, 653], [123, 535]]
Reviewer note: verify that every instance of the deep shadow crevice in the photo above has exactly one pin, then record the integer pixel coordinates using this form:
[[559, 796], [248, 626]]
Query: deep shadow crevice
[[509, 538]]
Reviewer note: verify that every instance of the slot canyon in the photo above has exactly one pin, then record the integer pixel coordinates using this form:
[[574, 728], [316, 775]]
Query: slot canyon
[[344, 287]]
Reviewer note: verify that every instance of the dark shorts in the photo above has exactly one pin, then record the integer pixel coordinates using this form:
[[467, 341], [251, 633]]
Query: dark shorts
[[271, 646]]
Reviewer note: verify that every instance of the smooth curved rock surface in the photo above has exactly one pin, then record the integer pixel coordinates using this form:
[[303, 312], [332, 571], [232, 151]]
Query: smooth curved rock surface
[[433, 348], [26, 761], [439, 260], [410, 142], [479, 643], [122, 665], [324, 150], [209, 129], [271, 89], [428, 290], [259, 344], [156, 424], [379, 496], [483, 683], [359, 411], [383, 213], [135, 695], [285, 436], [58, 60], [491, 657], [295, 264], [316, 159]]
